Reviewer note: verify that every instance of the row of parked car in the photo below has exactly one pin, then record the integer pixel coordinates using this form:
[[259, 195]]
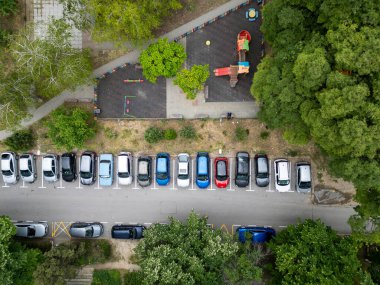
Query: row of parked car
[[66, 164], [120, 231]]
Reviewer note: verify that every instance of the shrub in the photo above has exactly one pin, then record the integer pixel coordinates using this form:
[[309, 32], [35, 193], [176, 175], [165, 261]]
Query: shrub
[[4, 37], [241, 134], [292, 152], [264, 135], [153, 135], [133, 278], [8, 7], [96, 251], [170, 134], [22, 140], [188, 132], [106, 277], [110, 133]]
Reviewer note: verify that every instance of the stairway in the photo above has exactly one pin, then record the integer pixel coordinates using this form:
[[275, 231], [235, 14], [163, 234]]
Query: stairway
[[84, 277]]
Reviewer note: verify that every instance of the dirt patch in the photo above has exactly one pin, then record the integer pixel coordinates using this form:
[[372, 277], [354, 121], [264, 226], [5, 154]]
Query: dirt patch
[[123, 252], [329, 196]]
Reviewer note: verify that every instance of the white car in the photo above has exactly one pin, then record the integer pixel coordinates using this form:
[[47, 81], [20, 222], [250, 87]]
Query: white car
[[183, 167], [125, 168], [50, 167], [9, 167], [282, 175], [28, 167]]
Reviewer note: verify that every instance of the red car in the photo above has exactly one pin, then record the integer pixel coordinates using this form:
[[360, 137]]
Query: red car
[[221, 172]]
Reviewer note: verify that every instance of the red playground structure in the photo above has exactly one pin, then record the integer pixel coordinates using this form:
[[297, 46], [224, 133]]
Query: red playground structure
[[243, 40]]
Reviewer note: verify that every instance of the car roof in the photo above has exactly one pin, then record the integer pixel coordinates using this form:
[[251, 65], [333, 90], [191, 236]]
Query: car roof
[[122, 163], [24, 163], [162, 164], [221, 166], [47, 163], [243, 164], [202, 165], [85, 163], [78, 231], [305, 172], [104, 167], [143, 167], [262, 164], [5, 164], [282, 166], [183, 168]]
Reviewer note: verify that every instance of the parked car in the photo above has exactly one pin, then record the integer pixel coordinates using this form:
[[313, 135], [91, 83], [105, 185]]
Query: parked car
[[86, 230], [31, 229], [9, 167], [163, 168], [124, 168], [203, 170], [183, 167], [242, 172], [28, 168], [282, 175], [50, 167], [303, 177], [128, 231], [257, 234], [261, 170], [144, 168], [221, 172], [69, 166], [106, 169], [88, 168]]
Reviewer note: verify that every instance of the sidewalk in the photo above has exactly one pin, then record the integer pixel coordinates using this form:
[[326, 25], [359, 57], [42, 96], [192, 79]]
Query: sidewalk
[[132, 57]]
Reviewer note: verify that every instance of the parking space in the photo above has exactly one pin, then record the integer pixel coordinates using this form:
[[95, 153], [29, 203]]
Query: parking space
[[61, 185]]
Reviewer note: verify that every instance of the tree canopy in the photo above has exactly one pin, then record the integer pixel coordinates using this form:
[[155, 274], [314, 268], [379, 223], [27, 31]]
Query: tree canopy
[[191, 81], [70, 128], [192, 253], [312, 253], [322, 81], [162, 58]]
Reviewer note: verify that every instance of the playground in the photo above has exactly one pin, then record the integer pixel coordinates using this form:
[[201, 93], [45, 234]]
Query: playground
[[232, 46]]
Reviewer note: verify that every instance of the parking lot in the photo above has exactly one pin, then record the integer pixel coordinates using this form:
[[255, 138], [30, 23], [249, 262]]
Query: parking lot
[[172, 186]]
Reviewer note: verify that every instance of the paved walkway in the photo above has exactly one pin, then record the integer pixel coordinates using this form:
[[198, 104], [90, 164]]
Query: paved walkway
[[247, 109]]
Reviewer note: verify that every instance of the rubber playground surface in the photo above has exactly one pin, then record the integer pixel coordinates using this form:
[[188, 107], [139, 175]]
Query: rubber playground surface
[[117, 99], [222, 52]]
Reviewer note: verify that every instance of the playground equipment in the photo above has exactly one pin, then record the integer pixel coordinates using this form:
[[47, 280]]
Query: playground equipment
[[252, 14], [243, 40]]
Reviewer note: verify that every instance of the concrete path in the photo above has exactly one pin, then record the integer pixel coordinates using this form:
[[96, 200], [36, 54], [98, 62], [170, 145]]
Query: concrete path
[[247, 109]]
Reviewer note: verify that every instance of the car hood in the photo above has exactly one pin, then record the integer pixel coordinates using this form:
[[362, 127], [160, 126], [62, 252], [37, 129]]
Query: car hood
[[203, 184], [86, 181], [51, 179], [183, 182], [10, 179], [283, 188], [262, 182], [98, 230], [125, 181], [29, 178], [163, 182], [105, 181], [242, 182], [40, 230]]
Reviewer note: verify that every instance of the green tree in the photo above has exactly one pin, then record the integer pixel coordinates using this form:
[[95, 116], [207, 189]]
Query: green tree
[[70, 128], [126, 20], [162, 58], [184, 253], [50, 62], [8, 7], [21, 140], [312, 253], [192, 81]]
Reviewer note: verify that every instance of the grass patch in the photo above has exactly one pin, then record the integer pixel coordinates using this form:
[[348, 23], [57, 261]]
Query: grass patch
[[133, 278], [241, 134], [188, 132], [106, 277], [291, 152], [264, 135], [110, 133]]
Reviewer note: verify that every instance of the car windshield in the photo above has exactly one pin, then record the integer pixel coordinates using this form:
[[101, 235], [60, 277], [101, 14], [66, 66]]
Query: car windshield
[[7, 172], [89, 232], [143, 177], [305, 185], [123, 174], [262, 175], [31, 232], [202, 177], [183, 176], [67, 172], [161, 175], [25, 173], [182, 158], [85, 175], [283, 182], [48, 173]]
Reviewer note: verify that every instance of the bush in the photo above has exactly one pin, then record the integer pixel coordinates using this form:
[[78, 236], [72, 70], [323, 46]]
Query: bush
[[106, 277], [110, 133], [22, 140], [188, 132], [241, 134], [4, 37], [8, 7], [170, 134], [264, 135], [96, 251], [153, 135], [133, 278]]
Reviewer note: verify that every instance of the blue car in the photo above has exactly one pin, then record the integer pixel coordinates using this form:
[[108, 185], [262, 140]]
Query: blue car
[[163, 168], [259, 234], [106, 169], [203, 170]]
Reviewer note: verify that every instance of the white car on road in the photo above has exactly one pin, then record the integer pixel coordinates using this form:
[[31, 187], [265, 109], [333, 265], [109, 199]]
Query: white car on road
[[183, 168]]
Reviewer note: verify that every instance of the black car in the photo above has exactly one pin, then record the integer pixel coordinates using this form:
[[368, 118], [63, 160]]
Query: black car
[[69, 166], [242, 169], [128, 231], [261, 170], [144, 171]]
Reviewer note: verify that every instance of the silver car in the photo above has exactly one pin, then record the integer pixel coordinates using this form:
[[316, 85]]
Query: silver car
[[303, 170], [124, 168], [31, 229], [9, 167], [50, 167], [28, 167], [86, 230], [183, 168]]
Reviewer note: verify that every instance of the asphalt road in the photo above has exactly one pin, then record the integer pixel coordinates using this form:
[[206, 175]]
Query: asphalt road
[[62, 203]]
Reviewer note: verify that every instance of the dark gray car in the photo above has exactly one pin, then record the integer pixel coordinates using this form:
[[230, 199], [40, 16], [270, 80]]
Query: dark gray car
[[86, 230], [242, 169], [261, 170]]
